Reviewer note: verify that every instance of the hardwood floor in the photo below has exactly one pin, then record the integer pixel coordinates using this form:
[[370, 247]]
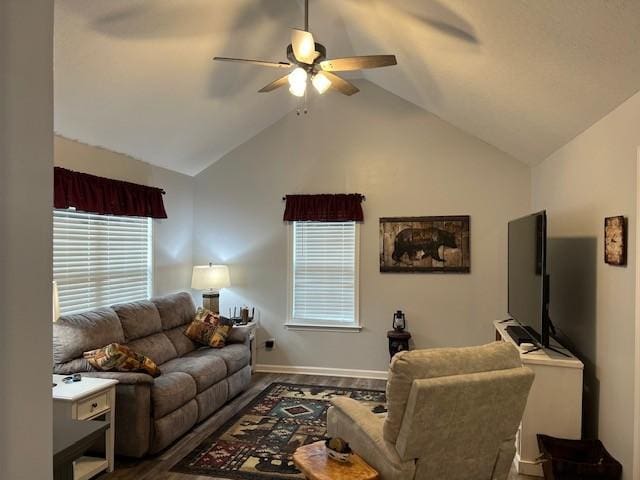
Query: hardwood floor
[[157, 467]]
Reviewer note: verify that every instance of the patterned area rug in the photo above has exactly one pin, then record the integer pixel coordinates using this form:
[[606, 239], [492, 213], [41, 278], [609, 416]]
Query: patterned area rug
[[259, 441]]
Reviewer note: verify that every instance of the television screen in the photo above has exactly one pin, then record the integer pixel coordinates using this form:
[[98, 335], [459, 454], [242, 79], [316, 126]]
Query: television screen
[[527, 269]]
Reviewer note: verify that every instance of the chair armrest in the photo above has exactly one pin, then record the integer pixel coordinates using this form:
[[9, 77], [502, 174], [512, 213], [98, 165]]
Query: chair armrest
[[356, 424], [504, 459], [357, 412], [125, 378]]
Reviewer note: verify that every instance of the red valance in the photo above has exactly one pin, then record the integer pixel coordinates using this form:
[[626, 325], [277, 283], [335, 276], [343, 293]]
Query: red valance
[[93, 194], [341, 207]]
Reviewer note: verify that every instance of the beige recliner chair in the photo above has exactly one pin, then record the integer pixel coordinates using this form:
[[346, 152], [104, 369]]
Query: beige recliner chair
[[452, 415]]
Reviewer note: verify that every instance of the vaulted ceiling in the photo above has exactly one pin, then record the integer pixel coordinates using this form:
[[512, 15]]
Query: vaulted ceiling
[[136, 76]]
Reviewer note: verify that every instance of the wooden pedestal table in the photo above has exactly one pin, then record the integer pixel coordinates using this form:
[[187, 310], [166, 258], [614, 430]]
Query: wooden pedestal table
[[315, 464], [398, 341]]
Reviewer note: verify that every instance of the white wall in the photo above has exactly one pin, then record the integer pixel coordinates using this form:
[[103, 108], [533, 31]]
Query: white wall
[[590, 178], [172, 236], [26, 158], [407, 163]]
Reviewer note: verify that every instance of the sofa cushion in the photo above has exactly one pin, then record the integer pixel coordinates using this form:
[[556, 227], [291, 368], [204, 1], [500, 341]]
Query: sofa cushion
[[235, 356], [238, 381], [205, 370], [172, 426], [412, 365], [138, 319], [170, 391], [75, 334], [157, 347], [175, 309], [212, 399], [181, 342]]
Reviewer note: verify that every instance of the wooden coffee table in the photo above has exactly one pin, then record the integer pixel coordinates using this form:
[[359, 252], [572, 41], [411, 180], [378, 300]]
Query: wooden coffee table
[[313, 461]]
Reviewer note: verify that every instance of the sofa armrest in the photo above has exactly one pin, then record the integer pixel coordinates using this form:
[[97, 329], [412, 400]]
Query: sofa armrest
[[134, 419], [362, 429], [239, 334], [125, 378]]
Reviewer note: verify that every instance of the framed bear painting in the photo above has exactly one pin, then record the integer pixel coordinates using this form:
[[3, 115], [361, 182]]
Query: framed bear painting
[[425, 244]]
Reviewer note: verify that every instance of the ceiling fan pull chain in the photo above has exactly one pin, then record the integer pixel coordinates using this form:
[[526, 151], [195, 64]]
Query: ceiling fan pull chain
[[304, 110], [302, 104], [306, 92]]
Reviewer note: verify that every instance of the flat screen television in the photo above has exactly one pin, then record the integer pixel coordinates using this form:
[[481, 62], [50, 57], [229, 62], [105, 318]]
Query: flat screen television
[[528, 281]]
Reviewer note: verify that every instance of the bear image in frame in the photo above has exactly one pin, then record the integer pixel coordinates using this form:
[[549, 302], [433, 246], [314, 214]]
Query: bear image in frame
[[434, 244]]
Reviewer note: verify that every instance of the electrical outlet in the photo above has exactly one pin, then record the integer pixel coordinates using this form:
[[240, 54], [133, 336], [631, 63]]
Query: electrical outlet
[[270, 343]]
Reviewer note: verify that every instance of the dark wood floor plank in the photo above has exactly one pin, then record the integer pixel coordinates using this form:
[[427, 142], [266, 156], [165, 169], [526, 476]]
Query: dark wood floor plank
[[158, 467]]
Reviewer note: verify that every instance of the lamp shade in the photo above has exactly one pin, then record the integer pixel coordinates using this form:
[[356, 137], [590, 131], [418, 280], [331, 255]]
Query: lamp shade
[[210, 277]]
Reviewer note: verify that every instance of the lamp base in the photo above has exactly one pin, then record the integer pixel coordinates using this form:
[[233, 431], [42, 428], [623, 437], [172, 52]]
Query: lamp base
[[211, 301]]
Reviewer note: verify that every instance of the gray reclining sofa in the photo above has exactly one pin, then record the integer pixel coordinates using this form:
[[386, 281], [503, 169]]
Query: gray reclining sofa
[[151, 413]]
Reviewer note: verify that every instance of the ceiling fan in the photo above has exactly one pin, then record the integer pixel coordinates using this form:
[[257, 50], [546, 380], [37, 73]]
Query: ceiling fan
[[308, 60]]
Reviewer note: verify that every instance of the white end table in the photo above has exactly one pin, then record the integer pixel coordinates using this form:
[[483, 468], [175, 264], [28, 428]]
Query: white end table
[[251, 327], [86, 400]]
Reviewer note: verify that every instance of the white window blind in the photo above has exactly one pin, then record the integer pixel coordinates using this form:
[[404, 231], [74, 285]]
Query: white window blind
[[324, 274], [100, 260]]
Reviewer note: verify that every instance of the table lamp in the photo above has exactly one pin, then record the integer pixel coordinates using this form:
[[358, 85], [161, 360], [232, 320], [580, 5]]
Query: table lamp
[[210, 278]]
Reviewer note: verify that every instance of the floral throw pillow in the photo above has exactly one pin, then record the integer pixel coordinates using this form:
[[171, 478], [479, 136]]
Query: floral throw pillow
[[121, 359], [208, 328]]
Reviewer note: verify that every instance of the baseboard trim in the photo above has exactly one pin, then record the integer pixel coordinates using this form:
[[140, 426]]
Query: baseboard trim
[[321, 371]]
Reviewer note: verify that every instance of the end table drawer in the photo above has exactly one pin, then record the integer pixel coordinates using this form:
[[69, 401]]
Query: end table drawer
[[93, 406]]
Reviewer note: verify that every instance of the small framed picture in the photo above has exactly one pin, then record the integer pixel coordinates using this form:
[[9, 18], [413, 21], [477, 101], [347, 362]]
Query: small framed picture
[[615, 240]]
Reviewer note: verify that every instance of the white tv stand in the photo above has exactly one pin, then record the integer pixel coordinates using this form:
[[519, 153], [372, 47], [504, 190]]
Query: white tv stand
[[554, 406]]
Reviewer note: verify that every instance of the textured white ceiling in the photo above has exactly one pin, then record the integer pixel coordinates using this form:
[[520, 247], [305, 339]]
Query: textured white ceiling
[[136, 76]]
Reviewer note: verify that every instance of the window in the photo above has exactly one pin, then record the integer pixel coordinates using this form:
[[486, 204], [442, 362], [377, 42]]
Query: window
[[323, 275], [100, 260]]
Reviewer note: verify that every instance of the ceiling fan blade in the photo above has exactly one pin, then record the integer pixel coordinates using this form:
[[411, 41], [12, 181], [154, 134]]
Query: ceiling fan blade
[[262, 63], [304, 46], [275, 84], [440, 18], [451, 30], [341, 85], [358, 63]]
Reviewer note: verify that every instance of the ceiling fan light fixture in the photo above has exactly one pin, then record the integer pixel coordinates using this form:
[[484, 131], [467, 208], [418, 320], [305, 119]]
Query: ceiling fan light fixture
[[320, 82], [297, 77], [308, 48], [298, 90], [298, 82], [304, 46], [308, 58]]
